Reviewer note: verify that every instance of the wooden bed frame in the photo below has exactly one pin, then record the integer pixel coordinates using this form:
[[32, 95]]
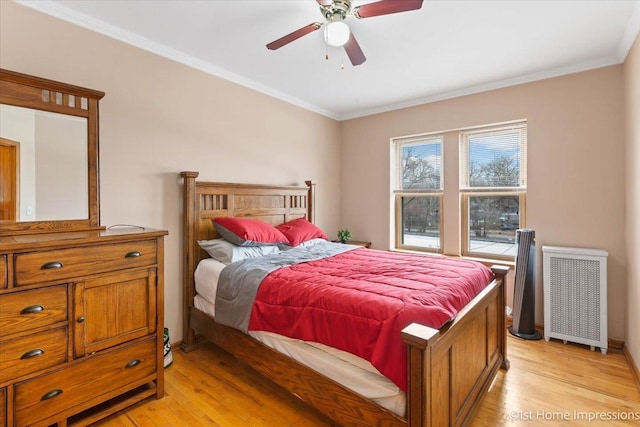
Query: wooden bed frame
[[449, 369]]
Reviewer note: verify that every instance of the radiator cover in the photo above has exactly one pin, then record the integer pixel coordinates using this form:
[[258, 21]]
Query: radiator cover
[[575, 295]]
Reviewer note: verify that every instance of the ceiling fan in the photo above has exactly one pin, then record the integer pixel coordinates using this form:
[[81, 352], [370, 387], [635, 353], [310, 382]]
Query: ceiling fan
[[337, 33]]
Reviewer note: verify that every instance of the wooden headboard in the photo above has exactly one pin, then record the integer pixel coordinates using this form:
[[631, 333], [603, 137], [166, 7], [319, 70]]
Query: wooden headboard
[[204, 201]]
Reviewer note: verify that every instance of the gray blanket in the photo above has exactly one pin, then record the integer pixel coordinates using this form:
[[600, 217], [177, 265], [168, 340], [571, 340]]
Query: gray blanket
[[239, 281]]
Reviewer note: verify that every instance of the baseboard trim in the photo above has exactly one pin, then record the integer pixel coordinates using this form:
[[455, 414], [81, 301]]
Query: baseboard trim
[[616, 344], [632, 365], [612, 343]]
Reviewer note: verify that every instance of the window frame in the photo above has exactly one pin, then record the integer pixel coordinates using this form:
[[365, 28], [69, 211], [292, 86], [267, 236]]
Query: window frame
[[465, 229], [399, 193], [399, 232], [467, 191]]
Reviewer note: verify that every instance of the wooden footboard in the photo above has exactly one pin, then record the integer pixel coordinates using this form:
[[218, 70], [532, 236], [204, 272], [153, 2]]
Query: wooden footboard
[[449, 369]]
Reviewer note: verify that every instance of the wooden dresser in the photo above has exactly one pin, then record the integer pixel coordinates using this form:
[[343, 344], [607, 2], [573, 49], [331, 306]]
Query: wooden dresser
[[81, 322]]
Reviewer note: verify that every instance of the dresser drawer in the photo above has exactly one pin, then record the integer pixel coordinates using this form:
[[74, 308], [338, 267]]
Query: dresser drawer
[[69, 390], [37, 267], [3, 274], [25, 355], [22, 311]]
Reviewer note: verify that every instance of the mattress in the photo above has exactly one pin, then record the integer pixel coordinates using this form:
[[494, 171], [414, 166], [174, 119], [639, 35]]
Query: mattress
[[344, 368]]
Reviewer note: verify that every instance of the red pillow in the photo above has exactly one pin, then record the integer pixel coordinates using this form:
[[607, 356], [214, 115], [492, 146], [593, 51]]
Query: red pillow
[[300, 230], [248, 232]]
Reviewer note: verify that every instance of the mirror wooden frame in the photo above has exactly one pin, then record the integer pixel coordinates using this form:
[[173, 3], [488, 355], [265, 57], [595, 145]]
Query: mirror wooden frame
[[22, 90]]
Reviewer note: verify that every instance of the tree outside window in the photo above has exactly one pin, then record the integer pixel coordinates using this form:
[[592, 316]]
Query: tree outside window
[[493, 189], [418, 194], [489, 200]]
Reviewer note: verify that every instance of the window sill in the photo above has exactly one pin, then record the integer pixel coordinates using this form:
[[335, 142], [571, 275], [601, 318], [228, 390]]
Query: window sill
[[489, 262], [486, 261], [414, 251]]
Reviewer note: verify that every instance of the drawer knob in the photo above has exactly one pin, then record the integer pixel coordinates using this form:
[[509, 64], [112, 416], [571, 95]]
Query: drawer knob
[[32, 309], [133, 254], [50, 395], [80, 319], [52, 265], [133, 363], [32, 353]]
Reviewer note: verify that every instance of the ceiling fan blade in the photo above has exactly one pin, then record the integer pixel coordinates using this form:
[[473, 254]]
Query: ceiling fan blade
[[277, 44], [354, 52], [386, 7], [325, 2]]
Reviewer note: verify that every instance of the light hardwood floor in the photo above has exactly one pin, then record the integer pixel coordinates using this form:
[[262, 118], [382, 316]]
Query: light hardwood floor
[[549, 384]]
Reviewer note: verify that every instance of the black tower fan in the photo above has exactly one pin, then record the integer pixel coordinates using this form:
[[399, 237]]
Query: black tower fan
[[524, 294]]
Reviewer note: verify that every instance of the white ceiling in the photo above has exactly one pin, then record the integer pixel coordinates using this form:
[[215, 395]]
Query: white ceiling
[[445, 49]]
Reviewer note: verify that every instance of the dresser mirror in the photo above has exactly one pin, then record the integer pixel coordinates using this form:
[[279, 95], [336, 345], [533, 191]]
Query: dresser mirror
[[48, 155]]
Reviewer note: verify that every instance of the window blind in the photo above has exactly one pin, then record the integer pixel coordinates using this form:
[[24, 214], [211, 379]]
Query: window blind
[[494, 158], [420, 168]]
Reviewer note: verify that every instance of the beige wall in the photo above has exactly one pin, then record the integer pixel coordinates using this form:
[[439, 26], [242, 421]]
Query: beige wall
[[632, 110], [160, 117], [576, 176]]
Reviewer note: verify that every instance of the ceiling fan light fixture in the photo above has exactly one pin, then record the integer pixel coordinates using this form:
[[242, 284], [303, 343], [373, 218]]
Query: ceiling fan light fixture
[[336, 33]]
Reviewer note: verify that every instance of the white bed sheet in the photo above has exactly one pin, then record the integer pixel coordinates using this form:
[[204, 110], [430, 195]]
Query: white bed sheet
[[345, 368]]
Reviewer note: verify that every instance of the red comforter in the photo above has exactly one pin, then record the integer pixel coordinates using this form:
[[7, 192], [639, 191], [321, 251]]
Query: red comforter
[[360, 300]]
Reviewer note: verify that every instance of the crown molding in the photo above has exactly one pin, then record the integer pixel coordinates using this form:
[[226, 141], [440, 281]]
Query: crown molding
[[500, 84], [82, 20], [61, 12], [630, 34]]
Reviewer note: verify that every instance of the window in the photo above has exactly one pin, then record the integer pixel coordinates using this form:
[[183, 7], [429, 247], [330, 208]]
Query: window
[[484, 207], [418, 193], [493, 188]]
